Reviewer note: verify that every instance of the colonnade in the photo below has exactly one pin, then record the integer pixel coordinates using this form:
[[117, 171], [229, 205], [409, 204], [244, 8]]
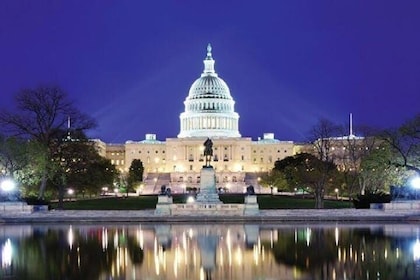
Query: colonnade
[[208, 122]]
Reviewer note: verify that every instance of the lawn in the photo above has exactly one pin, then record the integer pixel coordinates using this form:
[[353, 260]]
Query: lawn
[[149, 202]]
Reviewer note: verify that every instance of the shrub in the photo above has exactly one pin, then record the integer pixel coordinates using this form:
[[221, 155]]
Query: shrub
[[364, 201], [33, 200]]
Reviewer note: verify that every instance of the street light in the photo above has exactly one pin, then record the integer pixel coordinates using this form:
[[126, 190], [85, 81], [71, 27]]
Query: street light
[[70, 192], [8, 190], [415, 182], [336, 193], [7, 185]]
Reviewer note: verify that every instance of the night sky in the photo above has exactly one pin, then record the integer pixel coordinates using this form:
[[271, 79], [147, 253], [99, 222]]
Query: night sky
[[129, 64]]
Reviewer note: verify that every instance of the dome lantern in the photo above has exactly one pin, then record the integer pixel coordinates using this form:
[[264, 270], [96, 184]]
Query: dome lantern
[[208, 63]]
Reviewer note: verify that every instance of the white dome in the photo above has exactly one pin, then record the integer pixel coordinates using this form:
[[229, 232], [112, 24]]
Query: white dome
[[209, 87], [209, 107]]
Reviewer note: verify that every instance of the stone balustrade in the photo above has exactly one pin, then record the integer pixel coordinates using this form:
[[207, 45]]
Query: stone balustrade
[[207, 209]]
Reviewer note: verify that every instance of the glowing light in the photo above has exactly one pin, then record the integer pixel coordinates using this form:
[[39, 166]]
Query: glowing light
[[308, 236], [116, 240], [70, 237], [6, 253], [104, 239], [416, 250], [190, 199], [336, 236], [415, 182], [8, 185], [140, 238], [256, 254], [202, 274], [238, 256], [339, 254], [70, 191]]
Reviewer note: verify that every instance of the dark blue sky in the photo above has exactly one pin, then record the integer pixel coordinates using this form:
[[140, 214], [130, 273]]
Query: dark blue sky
[[129, 64]]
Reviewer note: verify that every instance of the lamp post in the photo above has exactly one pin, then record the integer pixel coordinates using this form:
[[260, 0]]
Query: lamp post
[[336, 193]]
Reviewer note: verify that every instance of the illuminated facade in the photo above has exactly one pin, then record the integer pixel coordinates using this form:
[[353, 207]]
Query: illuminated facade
[[209, 112]]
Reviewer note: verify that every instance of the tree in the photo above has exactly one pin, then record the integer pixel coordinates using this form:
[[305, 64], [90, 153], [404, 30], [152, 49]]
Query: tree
[[354, 149], [42, 114], [79, 166], [135, 174], [274, 178], [22, 159], [309, 172], [405, 145], [322, 136], [13, 155], [375, 172]]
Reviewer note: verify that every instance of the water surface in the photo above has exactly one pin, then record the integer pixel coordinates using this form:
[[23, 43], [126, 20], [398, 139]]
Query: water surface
[[210, 251]]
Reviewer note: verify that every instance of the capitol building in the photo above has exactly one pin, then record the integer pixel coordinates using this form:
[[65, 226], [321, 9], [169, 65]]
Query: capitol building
[[209, 113]]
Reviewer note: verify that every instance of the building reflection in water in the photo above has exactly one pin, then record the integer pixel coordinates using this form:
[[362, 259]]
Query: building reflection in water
[[203, 251]]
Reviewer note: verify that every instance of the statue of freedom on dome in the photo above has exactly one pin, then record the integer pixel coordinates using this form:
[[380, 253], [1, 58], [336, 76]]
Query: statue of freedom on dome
[[208, 151]]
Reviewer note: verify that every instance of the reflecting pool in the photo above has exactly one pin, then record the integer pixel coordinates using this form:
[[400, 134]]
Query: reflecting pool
[[210, 251]]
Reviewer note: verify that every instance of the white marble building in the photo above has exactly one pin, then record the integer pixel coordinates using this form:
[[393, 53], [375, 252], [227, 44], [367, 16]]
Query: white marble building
[[209, 113]]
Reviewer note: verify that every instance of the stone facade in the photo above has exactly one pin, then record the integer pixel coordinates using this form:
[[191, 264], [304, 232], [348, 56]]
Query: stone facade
[[177, 162]]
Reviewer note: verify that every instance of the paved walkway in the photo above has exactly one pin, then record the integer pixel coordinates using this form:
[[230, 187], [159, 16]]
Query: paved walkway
[[265, 216]]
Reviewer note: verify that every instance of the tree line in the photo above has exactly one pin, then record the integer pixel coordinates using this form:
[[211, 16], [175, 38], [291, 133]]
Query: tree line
[[44, 147], [350, 165]]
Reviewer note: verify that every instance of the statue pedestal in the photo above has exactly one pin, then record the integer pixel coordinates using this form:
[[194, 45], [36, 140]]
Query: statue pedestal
[[251, 205], [208, 192], [163, 206]]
